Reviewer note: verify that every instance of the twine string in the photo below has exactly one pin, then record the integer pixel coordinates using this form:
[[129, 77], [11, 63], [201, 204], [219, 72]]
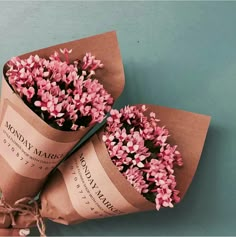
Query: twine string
[[24, 206]]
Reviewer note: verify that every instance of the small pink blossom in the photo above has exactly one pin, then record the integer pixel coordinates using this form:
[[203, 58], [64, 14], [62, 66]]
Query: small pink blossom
[[60, 121], [74, 127], [135, 177], [91, 63], [29, 93], [55, 110], [66, 51]]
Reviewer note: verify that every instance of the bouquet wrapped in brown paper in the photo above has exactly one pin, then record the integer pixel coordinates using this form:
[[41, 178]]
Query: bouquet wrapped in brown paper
[[49, 101], [132, 164]]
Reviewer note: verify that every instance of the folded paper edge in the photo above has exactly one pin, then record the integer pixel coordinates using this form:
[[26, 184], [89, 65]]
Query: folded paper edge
[[118, 83], [68, 42]]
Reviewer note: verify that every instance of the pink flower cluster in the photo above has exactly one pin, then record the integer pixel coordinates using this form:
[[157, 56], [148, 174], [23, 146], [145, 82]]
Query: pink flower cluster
[[139, 148], [66, 95]]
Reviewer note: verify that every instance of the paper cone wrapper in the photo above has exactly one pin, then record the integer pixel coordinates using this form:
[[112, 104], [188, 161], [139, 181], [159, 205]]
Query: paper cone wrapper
[[89, 186], [29, 147]]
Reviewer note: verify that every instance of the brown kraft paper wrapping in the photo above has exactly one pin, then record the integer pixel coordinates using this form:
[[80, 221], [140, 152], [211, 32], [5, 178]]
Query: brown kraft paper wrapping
[[89, 186], [30, 148], [5, 220]]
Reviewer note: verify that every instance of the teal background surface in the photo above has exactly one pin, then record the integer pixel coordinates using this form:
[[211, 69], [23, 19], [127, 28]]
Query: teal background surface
[[176, 54]]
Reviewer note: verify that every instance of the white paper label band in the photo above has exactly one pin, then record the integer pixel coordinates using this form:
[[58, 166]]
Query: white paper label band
[[25, 149], [91, 191]]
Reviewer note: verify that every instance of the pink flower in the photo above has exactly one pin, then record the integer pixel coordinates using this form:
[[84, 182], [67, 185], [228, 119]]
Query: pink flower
[[135, 177], [66, 51], [74, 127], [29, 93], [91, 63], [131, 148], [163, 197], [121, 134], [60, 121], [138, 160], [55, 110], [55, 57]]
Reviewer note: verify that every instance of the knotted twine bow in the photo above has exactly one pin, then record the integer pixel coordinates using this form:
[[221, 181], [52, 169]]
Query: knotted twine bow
[[24, 206]]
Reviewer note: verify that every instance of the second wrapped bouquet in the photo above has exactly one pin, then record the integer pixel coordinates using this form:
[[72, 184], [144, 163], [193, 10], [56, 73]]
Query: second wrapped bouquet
[[131, 165]]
